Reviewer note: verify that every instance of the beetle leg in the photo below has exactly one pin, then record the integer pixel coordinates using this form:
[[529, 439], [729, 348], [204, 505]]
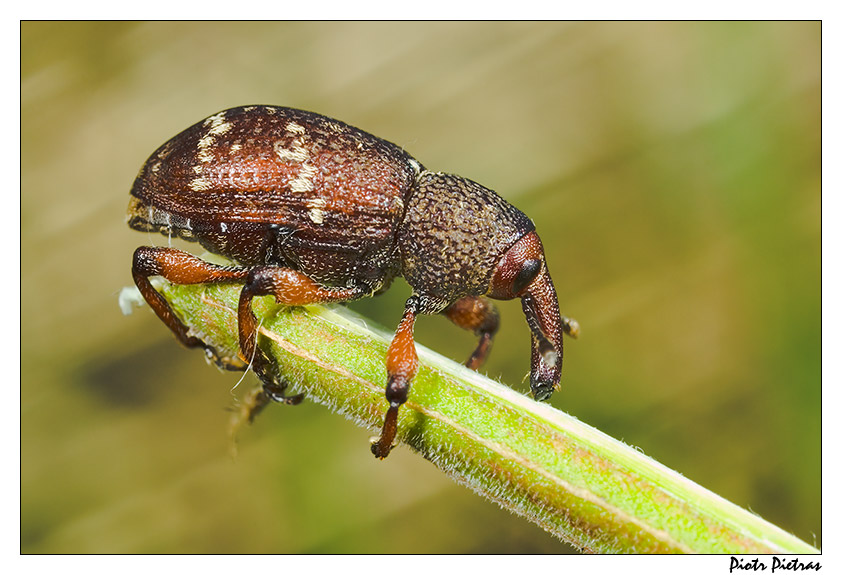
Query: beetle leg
[[479, 315], [401, 366], [180, 267], [290, 287], [275, 392], [269, 393]]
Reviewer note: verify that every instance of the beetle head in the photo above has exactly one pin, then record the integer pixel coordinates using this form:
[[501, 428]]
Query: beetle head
[[522, 272]]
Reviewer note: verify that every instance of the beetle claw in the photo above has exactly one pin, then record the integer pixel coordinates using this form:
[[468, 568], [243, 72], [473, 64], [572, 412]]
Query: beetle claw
[[382, 446], [275, 392], [378, 450], [274, 386], [260, 398], [542, 391], [227, 363]]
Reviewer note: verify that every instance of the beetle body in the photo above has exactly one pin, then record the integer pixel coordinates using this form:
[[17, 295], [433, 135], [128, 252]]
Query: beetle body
[[314, 210]]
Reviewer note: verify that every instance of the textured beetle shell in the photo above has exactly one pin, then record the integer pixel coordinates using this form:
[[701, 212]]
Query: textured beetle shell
[[272, 185], [454, 233]]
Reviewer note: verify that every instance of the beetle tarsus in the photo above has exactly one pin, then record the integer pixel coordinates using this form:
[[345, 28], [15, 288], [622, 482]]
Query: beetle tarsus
[[382, 446], [273, 385], [275, 392], [481, 352], [479, 315], [265, 395], [225, 362]]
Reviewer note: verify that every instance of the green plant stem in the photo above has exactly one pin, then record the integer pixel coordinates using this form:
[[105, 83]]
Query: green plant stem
[[569, 478]]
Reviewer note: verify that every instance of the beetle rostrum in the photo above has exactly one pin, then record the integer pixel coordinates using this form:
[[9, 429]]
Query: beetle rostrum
[[313, 210]]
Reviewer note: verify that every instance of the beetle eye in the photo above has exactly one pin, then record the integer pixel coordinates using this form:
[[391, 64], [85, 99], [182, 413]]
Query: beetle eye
[[524, 277]]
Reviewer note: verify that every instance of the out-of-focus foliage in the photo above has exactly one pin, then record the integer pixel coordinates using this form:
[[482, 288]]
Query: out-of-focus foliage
[[672, 170]]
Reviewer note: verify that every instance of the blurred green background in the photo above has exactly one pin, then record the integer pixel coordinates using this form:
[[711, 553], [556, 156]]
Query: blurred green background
[[672, 170]]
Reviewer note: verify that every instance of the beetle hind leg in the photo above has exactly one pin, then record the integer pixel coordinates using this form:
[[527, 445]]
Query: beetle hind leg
[[181, 267], [290, 287], [479, 315]]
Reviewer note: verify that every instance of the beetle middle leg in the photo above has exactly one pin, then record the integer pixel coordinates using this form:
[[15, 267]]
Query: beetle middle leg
[[290, 287], [479, 315]]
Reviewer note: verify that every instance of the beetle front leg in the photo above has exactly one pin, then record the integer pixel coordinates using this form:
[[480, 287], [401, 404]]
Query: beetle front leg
[[290, 287], [401, 366], [179, 267], [479, 315]]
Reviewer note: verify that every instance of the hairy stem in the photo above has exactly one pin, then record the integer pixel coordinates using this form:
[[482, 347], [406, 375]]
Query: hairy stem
[[569, 478]]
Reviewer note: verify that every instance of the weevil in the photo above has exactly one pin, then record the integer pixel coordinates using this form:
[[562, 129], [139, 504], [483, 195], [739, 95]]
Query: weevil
[[313, 210]]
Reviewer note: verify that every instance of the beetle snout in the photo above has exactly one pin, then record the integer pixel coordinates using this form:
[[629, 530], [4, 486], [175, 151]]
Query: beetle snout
[[540, 306]]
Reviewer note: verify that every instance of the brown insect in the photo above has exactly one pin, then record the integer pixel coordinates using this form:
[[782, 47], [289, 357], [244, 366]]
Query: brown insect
[[314, 210]]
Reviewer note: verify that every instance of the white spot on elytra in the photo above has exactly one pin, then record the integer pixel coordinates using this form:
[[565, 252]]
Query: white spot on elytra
[[223, 227], [298, 153], [216, 118], [165, 150], [317, 216], [294, 128], [204, 155], [235, 148], [316, 213], [304, 181], [221, 128], [217, 126], [200, 185]]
